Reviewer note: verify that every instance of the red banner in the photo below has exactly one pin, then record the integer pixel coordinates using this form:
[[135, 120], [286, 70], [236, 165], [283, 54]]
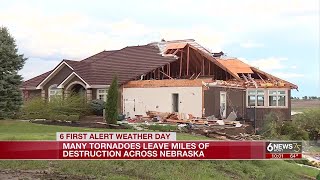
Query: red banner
[[195, 150]]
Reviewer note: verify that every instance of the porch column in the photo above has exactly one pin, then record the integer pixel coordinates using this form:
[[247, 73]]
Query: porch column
[[89, 94], [66, 93], [43, 94]]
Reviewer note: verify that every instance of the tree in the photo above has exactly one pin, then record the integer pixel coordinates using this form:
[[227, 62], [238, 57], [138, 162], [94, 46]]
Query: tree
[[112, 102], [10, 63]]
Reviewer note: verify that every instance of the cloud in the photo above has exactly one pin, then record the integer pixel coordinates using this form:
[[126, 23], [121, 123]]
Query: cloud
[[273, 65], [35, 67], [45, 33], [251, 44], [268, 64], [288, 75]]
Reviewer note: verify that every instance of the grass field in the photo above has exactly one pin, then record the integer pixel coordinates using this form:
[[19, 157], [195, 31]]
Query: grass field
[[302, 105], [17, 130]]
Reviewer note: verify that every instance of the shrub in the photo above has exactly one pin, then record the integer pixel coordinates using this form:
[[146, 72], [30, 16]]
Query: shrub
[[293, 131], [56, 109], [61, 117], [310, 122], [97, 106], [73, 118], [35, 108], [112, 102], [271, 126], [74, 104]]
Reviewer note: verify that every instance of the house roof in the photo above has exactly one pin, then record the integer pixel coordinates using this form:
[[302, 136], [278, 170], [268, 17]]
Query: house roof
[[128, 63], [99, 55], [32, 83], [131, 62]]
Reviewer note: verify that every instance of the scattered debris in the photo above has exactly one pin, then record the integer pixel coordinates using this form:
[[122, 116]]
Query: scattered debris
[[232, 116]]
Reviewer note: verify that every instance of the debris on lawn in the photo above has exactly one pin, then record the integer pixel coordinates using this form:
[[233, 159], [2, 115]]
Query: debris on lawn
[[210, 126]]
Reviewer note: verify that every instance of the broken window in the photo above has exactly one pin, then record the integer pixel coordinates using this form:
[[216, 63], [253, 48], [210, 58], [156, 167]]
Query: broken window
[[277, 98], [255, 97]]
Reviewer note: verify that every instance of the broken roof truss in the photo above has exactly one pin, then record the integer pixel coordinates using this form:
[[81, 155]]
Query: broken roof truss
[[195, 61]]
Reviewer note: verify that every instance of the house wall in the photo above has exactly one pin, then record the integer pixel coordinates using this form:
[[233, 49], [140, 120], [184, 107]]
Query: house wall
[[235, 101], [29, 94], [260, 113], [57, 79], [137, 101], [94, 93]]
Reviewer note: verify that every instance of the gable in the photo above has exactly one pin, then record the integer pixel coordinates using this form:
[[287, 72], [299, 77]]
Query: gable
[[54, 72], [58, 77]]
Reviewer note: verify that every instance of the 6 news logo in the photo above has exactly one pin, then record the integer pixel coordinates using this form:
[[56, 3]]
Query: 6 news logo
[[284, 147]]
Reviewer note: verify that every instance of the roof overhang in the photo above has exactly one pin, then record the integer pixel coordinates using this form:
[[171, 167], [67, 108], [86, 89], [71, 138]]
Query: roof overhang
[[53, 73], [72, 75]]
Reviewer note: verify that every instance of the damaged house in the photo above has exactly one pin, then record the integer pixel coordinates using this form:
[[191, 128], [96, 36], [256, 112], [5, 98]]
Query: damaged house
[[169, 76]]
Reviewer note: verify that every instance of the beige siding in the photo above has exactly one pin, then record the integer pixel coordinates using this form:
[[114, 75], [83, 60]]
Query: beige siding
[[137, 101]]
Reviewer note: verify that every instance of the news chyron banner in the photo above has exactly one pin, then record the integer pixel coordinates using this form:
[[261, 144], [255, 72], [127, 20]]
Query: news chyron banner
[[145, 146]]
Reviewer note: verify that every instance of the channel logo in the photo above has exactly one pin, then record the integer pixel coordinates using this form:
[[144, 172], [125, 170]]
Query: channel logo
[[284, 147]]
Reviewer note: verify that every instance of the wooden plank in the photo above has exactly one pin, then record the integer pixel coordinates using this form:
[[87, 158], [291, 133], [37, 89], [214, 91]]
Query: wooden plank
[[198, 75], [209, 68], [166, 75], [188, 59], [181, 63], [212, 59], [202, 66]]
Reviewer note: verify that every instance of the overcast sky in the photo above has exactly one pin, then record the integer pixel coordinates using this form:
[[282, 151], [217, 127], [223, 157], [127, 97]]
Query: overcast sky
[[280, 37]]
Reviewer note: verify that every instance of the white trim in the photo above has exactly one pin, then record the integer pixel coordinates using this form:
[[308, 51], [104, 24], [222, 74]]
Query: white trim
[[100, 86], [105, 94], [285, 100], [224, 115], [75, 82], [61, 85], [266, 97], [28, 88], [57, 69], [49, 90]]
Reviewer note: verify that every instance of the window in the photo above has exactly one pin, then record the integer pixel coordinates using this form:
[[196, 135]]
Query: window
[[102, 94], [255, 97], [54, 92], [277, 98]]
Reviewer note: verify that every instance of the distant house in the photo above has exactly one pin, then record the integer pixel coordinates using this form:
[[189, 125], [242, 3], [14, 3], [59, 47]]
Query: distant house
[[169, 76]]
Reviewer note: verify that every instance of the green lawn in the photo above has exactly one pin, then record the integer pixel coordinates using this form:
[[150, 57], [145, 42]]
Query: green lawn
[[104, 169]]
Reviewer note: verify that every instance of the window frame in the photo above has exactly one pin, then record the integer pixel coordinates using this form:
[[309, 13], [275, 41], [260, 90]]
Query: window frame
[[277, 95], [266, 97], [57, 91], [105, 94], [256, 95]]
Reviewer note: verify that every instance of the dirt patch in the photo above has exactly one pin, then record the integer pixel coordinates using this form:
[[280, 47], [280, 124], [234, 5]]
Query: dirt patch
[[38, 175]]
